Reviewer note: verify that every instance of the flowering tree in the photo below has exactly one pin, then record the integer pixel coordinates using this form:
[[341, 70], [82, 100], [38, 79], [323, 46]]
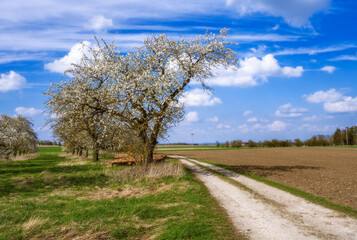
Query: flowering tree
[[141, 89], [16, 136]]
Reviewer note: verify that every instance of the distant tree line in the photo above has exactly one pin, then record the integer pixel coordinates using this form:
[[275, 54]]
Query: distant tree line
[[16, 136], [48, 142], [347, 136]]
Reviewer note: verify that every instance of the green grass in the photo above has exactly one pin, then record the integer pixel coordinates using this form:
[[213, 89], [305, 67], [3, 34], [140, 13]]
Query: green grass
[[49, 197], [297, 192], [54, 149]]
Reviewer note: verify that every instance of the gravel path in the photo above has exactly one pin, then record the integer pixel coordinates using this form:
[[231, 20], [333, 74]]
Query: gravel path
[[264, 212]]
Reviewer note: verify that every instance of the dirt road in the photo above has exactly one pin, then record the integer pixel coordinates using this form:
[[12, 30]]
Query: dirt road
[[327, 172], [264, 212]]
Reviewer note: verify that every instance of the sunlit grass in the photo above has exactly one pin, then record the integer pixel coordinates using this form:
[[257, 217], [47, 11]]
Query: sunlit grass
[[44, 198]]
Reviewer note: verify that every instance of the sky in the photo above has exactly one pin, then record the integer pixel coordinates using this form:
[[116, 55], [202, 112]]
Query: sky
[[297, 58]]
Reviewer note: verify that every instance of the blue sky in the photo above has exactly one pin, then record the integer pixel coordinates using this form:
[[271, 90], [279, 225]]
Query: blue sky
[[298, 60]]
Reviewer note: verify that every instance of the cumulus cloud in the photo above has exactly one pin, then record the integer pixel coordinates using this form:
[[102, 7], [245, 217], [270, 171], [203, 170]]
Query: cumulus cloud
[[192, 117], [315, 118], [287, 110], [246, 113], [100, 23], [28, 112], [329, 69], [324, 96], [253, 71], [214, 119], [347, 104], [333, 101], [73, 57], [198, 97], [295, 12], [11, 81], [316, 128], [223, 126], [253, 119], [245, 128], [276, 126]]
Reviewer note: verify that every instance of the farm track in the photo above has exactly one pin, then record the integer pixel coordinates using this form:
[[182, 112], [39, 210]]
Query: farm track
[[327, 172], [264, 212]]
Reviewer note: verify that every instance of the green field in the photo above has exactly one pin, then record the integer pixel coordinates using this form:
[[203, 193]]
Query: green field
[[53, 197]]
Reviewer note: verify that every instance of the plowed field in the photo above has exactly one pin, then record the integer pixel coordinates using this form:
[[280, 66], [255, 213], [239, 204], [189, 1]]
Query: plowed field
[[327, 172]]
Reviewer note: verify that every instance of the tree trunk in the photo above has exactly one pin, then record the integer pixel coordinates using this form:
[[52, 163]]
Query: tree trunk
[[80, 152], [96, 155], [95, 152], [86, 153], [73, 151], [148, 153]]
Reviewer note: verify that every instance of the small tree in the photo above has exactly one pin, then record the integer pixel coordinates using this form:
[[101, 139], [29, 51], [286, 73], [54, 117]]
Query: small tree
[[226, 144], [298, 143], [251, 144], [236, 143], [16, 136]]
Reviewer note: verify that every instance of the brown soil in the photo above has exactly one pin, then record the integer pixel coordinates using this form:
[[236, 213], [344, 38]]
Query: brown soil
[[327, 172]]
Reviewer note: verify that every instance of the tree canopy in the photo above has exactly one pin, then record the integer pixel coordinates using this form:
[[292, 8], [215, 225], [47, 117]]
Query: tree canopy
[[139, 91], [16, 136]]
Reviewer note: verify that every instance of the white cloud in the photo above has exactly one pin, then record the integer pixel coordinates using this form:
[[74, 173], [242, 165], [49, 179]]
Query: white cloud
[[221, 126], [73, 57], [287, 110], [345, 57], [214, 119], [329, 69], [315, 118], [295, 12], [254, 71], [11, 81], [276, 27], [276, 126], [333, 101], [198, 97], [192, 117], [316, 128], [263, 37], [245, 128], [348, 104], [310, 118], [324, 96], [253, 119], [246, 113], [314, 50], [28, 112], [99, 23]]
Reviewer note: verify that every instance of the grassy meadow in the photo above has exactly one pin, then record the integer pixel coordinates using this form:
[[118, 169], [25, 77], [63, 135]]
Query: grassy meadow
[[55, 196]]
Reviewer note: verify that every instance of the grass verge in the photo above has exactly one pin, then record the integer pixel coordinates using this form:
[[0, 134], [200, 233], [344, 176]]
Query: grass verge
[[43, 198]]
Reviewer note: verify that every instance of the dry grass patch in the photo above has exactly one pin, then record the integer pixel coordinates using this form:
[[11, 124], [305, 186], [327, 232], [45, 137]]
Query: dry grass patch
[[127, 192], [64, 193], [33, 223], [152, 171], [22, 180], [75, 160], [25, 157], [70, 233]]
